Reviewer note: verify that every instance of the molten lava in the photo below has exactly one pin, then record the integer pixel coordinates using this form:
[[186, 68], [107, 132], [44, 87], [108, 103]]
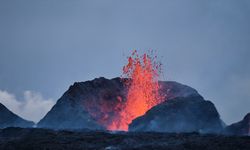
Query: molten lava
[[141, 76], [140, 86]]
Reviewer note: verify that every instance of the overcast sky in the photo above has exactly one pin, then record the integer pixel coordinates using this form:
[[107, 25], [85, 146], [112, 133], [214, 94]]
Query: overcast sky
[[45, 46]]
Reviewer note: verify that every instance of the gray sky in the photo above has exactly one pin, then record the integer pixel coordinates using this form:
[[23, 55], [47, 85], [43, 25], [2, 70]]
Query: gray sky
[[47, 45]]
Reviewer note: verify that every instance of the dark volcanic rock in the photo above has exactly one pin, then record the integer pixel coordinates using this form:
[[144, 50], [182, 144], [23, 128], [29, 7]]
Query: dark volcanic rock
[[45, 139], [181, 114], [9, 119], [71, 110], [174, 89], [100, 99], [240, 128]]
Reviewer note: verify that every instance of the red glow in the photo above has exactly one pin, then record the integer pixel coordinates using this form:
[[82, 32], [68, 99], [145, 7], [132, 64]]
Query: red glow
[[143, 89], [140, 77]]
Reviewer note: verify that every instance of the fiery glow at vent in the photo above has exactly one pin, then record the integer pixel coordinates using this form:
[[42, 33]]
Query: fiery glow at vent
[[141, 76], [115, 110]]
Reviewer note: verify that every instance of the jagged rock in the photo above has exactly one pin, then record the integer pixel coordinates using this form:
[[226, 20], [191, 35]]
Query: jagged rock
[[47, 139], [181, 114], [240, 128], [9, 119], [94, 104]]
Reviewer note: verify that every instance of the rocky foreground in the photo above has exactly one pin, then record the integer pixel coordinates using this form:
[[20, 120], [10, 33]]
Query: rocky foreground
[[47, 139]]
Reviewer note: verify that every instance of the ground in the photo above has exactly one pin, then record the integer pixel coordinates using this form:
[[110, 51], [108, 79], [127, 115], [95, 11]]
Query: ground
[[45, 139]]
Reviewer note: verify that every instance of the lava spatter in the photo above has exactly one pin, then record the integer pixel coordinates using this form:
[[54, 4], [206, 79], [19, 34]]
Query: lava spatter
[[141, 75]]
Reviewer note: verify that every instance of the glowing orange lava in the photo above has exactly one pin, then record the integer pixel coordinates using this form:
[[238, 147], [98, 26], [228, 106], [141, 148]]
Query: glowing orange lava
[[141, 76]]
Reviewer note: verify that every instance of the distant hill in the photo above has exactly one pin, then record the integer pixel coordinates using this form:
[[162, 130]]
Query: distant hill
[[9, 119], [240, 128]]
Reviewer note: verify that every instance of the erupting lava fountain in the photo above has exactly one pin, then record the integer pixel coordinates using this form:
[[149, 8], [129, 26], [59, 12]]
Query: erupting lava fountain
[[141, 76]]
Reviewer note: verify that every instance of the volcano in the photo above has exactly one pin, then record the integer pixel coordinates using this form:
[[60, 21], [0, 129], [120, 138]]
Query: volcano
[[114, 104], [96, 104]]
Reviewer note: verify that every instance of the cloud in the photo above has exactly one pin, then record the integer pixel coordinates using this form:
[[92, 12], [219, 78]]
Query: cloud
[[31, 107]]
